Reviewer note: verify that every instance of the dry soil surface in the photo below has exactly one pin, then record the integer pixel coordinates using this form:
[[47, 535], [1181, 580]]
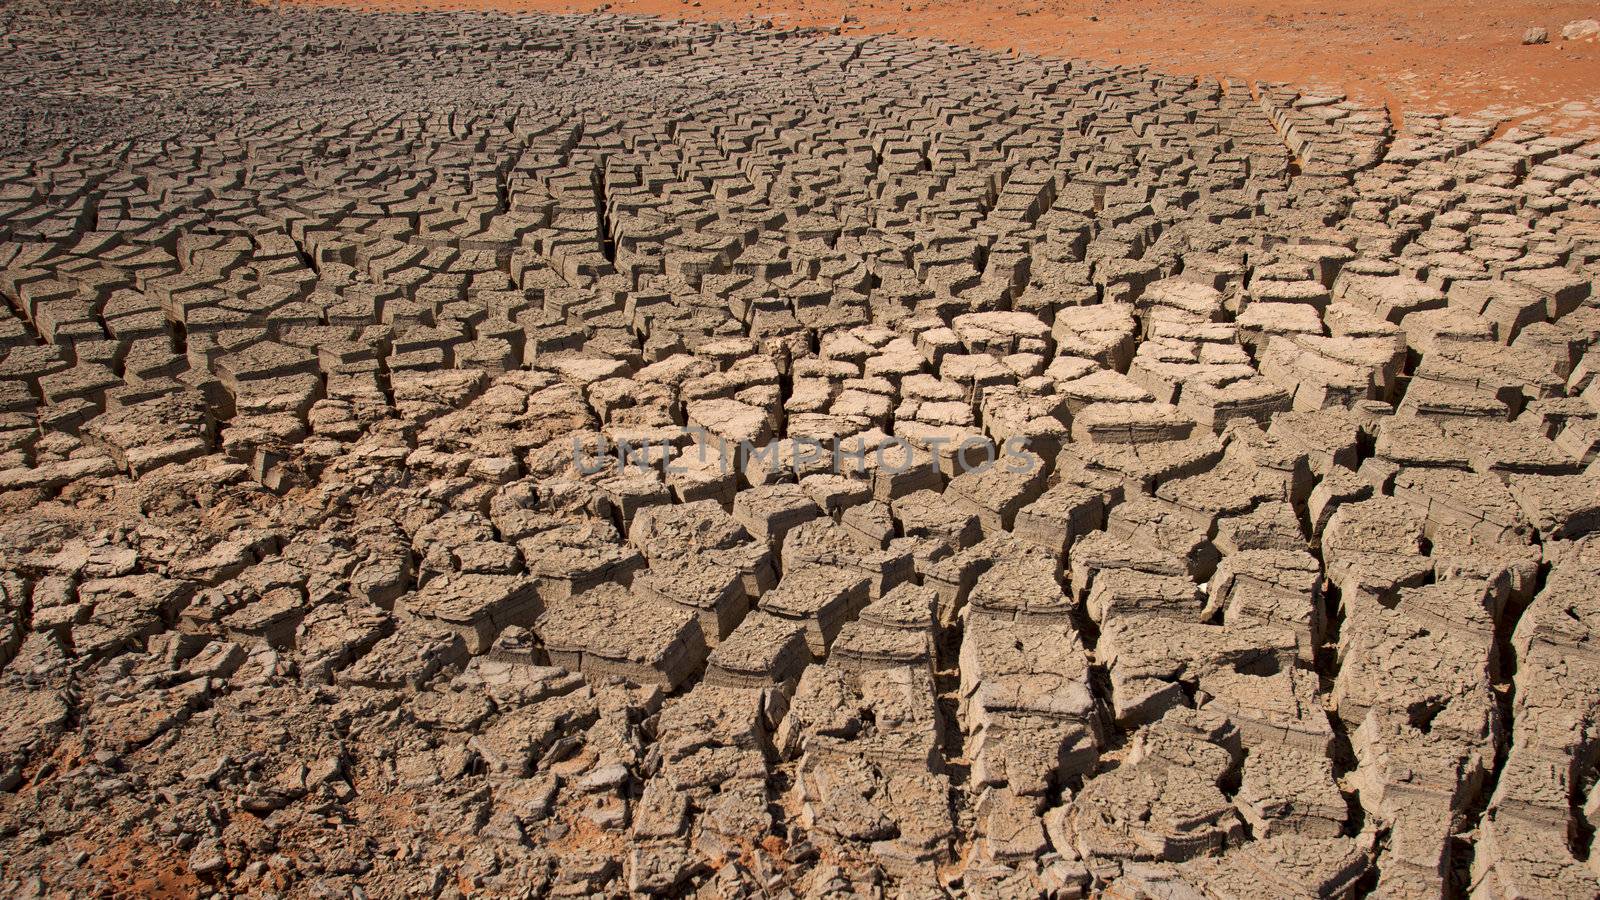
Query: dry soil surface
[[1440, 55], [325, 572]]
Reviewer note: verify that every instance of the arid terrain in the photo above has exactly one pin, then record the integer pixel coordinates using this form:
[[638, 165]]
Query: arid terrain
[[504, 454], [1453, 56]]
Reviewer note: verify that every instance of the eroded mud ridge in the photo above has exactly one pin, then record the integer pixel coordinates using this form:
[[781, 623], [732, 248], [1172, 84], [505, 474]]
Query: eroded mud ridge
[[304, 592]]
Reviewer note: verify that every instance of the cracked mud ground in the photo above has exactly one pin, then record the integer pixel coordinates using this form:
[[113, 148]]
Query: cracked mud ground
[[302, 591]]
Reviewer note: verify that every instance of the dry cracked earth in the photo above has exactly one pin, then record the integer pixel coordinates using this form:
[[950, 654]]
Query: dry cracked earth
[[306, 589]]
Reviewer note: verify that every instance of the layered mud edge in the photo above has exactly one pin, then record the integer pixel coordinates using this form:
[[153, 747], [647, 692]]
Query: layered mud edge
[[304, 593]]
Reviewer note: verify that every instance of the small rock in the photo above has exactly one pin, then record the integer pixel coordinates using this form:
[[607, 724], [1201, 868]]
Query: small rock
[[604, 778], [206, 859], [1536, 36], [608, 815], [800, 852], [1579, 29]]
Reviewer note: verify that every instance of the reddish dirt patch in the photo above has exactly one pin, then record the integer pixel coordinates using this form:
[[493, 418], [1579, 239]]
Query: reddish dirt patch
[[1445, 55], [139, 868]]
